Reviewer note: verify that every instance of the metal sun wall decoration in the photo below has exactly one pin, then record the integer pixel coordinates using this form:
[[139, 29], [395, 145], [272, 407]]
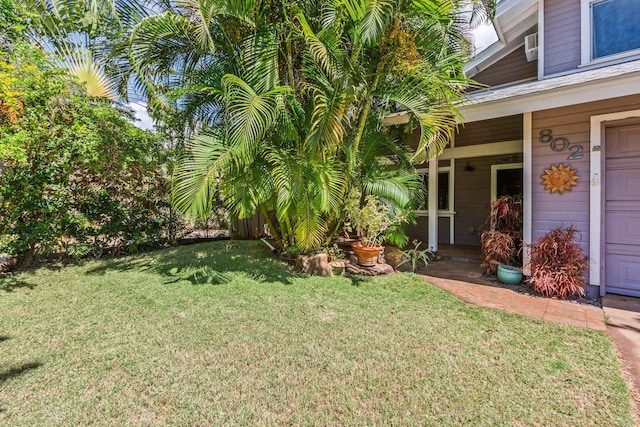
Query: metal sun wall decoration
[[559, 178]]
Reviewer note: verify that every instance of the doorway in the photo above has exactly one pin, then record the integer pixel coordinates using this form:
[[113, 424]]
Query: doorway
[[506, 180]]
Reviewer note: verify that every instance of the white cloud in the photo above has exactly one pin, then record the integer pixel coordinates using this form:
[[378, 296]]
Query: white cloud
[[144, 121]]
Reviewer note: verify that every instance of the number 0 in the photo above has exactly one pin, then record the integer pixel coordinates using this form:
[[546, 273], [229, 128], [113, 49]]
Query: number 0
[[565, 144]]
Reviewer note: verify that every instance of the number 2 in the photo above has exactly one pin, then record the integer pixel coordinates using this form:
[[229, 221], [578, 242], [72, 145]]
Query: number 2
[[576, 152]]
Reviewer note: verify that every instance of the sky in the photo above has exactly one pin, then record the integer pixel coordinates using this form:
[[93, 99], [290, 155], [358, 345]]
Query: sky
[[483, 36], [144, 121]]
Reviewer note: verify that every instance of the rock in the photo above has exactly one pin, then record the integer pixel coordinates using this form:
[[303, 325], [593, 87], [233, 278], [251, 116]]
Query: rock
[[393, 256], [374, 270], [7, 262], [317, 265]]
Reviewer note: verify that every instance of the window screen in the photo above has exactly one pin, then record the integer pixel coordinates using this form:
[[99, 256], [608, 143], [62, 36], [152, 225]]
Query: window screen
[[615, 26]]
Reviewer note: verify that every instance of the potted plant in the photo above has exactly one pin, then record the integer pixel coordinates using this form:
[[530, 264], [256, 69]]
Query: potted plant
[[370, 218], [501, 243], [336, 259]]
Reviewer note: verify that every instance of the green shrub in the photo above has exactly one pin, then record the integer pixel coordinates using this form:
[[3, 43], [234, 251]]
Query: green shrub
[[76, 177]]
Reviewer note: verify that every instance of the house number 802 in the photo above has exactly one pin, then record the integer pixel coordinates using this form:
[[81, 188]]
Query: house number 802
[[560, 144]]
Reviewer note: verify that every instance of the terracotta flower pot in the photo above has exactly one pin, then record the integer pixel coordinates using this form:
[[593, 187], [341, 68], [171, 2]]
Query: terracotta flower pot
[[367, 256]]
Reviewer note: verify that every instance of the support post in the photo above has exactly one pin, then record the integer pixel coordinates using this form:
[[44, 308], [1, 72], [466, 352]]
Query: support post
[[527, 180], [432, 204]]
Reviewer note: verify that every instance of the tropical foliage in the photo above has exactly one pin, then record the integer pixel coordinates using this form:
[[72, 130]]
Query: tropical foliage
[[75, 175], [87, 38], [370, 218], [282, 101], [415, 255], [287, 99], [502, 242]]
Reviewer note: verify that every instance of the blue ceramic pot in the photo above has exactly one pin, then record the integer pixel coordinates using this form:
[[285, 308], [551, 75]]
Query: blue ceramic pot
[[509, 275]]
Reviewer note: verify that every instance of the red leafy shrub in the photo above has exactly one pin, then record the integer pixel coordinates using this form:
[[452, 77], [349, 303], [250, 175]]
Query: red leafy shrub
[[498, 248], [501, 243], [558, 264], [506, 214]]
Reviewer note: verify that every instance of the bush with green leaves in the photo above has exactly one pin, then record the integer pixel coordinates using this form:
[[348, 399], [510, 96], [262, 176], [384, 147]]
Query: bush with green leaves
[[75, 175], [416, 255]]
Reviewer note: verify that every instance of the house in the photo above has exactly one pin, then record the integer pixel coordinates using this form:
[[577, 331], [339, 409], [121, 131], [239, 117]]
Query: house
[[563, 96]]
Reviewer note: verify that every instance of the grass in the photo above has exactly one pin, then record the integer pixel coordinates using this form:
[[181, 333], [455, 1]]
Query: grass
[[221, 333]]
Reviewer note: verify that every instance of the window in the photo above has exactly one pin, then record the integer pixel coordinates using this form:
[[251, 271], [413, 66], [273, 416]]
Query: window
[[443, 191], [611, 28]]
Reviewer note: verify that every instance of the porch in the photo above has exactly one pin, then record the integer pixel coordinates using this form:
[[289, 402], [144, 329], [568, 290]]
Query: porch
[[458, 262]]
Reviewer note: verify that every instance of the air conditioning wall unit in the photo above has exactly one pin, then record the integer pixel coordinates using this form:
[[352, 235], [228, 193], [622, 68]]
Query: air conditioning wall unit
[[531, 47]]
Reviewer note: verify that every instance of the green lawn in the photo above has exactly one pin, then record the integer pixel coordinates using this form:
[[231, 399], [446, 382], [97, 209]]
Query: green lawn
[[221, 333]]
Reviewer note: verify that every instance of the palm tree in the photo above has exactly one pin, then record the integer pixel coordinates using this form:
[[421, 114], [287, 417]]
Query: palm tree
[[287, 99], [83, 36]]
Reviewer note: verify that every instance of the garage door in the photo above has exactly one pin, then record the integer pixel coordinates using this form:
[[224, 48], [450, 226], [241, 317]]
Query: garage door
[[622, 210]]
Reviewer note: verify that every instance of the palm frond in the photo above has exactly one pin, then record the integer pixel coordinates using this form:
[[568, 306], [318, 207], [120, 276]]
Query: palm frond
[[161, 43], [377, 16], [249, 114], [329, 120], [310, 227], [355, 8], [319, 51], [260, 60], [328, 183], [431, 97], [197, 175], [91, 76], [244, 191]]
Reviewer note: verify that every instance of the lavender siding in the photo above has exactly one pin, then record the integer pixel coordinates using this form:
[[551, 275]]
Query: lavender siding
[[511, 68], [554, 210], [561, 36]]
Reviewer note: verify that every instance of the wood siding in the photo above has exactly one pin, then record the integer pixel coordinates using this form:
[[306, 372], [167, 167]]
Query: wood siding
[[420, 231], [561, 36], [511, 68], [572, 207], [473, 196], [495, 130]]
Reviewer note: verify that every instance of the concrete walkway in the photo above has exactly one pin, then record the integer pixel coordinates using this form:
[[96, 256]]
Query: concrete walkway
[[622, 314], [623, 326], [552, 310]]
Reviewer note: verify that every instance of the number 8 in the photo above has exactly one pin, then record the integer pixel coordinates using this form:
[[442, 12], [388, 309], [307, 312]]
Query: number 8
[[545, 136]]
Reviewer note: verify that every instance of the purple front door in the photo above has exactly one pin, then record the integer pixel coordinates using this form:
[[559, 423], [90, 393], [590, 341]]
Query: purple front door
[[622, 210]]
